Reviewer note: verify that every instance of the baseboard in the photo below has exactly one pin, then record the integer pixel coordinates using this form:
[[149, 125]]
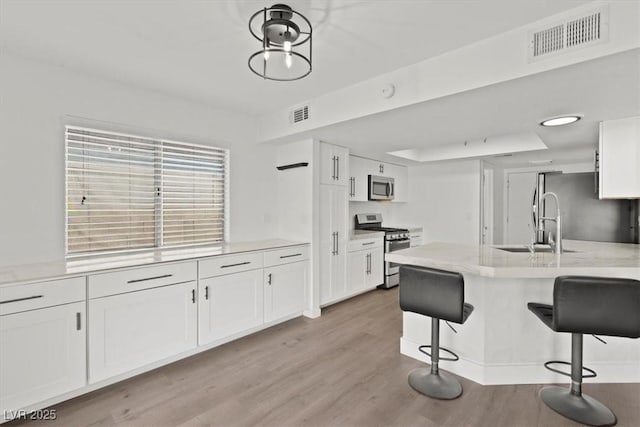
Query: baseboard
[[312, 314], [524, 373]]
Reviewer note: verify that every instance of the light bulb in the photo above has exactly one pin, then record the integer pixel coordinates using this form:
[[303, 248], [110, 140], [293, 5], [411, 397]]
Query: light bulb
[[287, 46], [287, 60], [266, 55]]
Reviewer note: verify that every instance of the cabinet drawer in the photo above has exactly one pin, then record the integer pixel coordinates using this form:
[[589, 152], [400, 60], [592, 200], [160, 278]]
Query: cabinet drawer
[[14, 299], [230, 264], [364, 244], [286, 255], [119, 282]]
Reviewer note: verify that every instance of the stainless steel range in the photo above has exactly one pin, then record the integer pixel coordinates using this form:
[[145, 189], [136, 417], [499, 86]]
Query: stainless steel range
[[394, 240]]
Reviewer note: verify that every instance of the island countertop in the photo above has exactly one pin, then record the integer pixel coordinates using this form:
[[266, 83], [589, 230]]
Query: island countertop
[[586, 258]]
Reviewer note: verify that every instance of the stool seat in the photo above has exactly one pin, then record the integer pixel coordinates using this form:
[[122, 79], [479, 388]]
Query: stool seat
[[467, 309], [587, 305], [544, 312]]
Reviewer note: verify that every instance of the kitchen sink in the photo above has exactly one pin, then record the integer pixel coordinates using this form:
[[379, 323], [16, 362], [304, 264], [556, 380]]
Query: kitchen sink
[[524, 249]]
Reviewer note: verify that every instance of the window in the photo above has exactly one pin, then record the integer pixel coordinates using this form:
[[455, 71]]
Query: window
[[129, 192]]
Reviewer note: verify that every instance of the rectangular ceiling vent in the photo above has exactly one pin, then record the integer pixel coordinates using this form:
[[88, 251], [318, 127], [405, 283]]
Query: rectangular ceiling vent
[[576, 32], [299, 114]]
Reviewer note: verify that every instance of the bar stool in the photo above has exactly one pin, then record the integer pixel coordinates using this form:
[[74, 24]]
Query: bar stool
[[587, 305], [440, 295]]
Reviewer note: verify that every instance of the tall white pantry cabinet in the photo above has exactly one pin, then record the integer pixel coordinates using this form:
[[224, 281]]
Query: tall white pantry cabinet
[[334, 237]]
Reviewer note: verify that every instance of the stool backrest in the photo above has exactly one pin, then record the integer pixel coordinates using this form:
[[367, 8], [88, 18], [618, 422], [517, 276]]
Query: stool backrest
[[431, 292], [597, 305]]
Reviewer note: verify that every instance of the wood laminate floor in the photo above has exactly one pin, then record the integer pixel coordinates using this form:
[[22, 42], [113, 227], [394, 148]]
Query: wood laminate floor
[[343, 369]]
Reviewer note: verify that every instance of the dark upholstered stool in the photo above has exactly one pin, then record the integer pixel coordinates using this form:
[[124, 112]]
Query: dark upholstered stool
[[439, 295], [587, 305]]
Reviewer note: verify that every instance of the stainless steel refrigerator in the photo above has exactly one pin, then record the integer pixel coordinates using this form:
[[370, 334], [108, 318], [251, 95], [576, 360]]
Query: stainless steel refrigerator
[[584, 216]]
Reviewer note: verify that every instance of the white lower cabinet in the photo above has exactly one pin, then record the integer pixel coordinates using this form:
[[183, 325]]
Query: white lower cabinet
[[42, 355], [365, 269], [43, 341], [131, 330], [284, 290], [229, 304]]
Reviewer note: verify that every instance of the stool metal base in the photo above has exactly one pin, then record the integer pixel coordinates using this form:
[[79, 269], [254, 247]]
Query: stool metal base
[[438, 386], [581, 408]]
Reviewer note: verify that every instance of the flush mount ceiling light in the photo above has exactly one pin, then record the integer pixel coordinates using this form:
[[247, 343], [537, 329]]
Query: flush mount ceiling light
[[561, 120], [285, 36]]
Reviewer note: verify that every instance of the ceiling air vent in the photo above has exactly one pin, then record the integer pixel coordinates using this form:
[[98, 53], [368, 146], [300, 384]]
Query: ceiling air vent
[[300, 114], [576, 32]]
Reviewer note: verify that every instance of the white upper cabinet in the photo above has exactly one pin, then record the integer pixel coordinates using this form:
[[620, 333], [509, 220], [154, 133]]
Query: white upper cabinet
[[360, 168], [620, 159], [334, 164]]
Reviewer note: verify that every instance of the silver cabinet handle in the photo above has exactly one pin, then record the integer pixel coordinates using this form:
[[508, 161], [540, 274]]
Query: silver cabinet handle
[[368, 243], [20, 299], [269, 278], [338, 168], [333, 243], [235, 265], [78, 322], [337, 243], [193, 296], [289, 256], [206, 292], [164, 276], [333, 174]]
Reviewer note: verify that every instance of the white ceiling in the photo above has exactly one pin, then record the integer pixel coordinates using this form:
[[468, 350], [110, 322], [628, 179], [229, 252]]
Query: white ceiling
[[601, 89], [199, 49]]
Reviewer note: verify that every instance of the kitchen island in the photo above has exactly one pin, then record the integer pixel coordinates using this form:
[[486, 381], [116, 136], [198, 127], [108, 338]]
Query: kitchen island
[[502, 342]]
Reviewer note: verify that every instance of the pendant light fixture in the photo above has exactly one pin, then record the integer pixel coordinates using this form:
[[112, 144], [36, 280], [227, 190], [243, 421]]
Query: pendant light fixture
[[285, 36]]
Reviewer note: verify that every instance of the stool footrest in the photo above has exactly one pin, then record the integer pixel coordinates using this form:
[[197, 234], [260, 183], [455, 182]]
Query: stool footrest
[[451, 359], [591, 372]]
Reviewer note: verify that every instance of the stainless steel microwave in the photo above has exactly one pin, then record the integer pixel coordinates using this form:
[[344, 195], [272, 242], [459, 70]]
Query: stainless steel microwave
[[381, 188]]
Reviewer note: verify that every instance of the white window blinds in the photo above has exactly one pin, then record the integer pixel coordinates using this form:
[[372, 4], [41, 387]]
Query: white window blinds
[[129, 192]]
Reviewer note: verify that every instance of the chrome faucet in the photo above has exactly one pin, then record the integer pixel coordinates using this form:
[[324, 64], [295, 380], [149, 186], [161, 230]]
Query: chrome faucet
[[556, 245]]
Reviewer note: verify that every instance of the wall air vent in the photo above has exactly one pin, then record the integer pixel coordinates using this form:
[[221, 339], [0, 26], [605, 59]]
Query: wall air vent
[[299, 114], [576, 32]]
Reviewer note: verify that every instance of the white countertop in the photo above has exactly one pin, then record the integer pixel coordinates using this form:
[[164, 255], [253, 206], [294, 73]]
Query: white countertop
[[589, 259], [364, 234], [19, 274]]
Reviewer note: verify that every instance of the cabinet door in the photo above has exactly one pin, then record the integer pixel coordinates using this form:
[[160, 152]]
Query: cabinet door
[[620, 158], [42, 355], [128, 331], [339, 221], [229, 304], [327, 164], [284, 290], [358, 187], [342, 165], [333, 242], [327, 243], [334, 164], [376, 268], [357, 271]]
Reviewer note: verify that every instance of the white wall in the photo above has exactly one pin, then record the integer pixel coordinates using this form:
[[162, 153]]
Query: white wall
[[444, 198], [35, 104]]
